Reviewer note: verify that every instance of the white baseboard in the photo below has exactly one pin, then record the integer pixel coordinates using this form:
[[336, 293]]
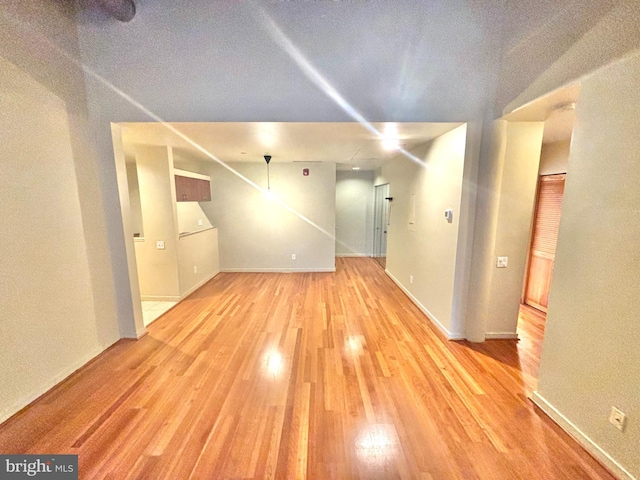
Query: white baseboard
[[174, 298], [278, 270], [138, 335], [423, 309], [589, 445], [353, 255], [51, 382], [160, 298], [198, 285], [501, 336]]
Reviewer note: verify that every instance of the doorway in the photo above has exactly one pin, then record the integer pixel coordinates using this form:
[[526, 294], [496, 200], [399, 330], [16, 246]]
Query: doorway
[[537, 283], [381, 222]]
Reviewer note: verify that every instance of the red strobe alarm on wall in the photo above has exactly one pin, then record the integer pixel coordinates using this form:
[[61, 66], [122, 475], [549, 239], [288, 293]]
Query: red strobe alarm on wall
[[305, 172]]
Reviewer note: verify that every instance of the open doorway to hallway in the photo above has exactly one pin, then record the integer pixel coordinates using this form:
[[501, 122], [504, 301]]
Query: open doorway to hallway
[[532, 316], [558, 127]]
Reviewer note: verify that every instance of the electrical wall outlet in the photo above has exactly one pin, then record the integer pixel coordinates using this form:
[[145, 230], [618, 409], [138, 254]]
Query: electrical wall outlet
[[199, 222], [411, 279], [617, 418], [502, 262], [160, 244], [293, 256]]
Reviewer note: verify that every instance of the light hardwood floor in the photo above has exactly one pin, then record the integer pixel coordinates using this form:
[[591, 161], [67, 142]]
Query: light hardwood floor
[[315, 375], [531, 324]]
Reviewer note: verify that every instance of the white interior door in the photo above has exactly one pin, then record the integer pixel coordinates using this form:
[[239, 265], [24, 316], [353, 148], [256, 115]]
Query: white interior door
[[381, 221]]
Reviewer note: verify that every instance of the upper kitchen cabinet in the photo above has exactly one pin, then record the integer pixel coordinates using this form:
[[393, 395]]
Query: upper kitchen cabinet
[[203, 190], [192, 187]]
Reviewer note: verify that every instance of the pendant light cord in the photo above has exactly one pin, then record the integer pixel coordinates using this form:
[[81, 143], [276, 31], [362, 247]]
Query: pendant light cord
[[267, 158]]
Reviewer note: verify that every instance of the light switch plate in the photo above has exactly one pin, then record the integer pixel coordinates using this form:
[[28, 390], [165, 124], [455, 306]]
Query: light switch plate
[[160, 244], [502, 262]]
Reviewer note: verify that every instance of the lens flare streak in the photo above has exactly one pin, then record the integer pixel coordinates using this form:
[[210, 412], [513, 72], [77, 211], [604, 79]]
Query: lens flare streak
[[307, 68]]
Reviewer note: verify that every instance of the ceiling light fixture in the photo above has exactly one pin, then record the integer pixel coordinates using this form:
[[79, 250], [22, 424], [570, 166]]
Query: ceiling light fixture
[[390, 140], [355, 168], [390, 144], [267, 158]]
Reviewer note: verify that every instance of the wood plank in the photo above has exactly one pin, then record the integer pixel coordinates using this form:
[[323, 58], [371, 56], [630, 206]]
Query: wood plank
[[331, 375]]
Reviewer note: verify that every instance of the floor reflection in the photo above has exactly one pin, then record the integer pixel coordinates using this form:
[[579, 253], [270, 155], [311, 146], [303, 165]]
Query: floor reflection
[[274, 363], [377, 446], [354, 344]]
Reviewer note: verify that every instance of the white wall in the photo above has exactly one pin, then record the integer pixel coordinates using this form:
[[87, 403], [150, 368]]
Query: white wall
[[378, 177], [258, 232], [157, 269], [554, 158], [354, 213], [56, 286], [189, 213], [184, 160], [516, 189], [134, 198], [122, 180], [427, 248], [199, 250], [186, 262], [590, 357]]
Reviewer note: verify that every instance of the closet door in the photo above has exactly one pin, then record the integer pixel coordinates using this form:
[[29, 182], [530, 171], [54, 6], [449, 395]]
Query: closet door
[[545, 238]]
